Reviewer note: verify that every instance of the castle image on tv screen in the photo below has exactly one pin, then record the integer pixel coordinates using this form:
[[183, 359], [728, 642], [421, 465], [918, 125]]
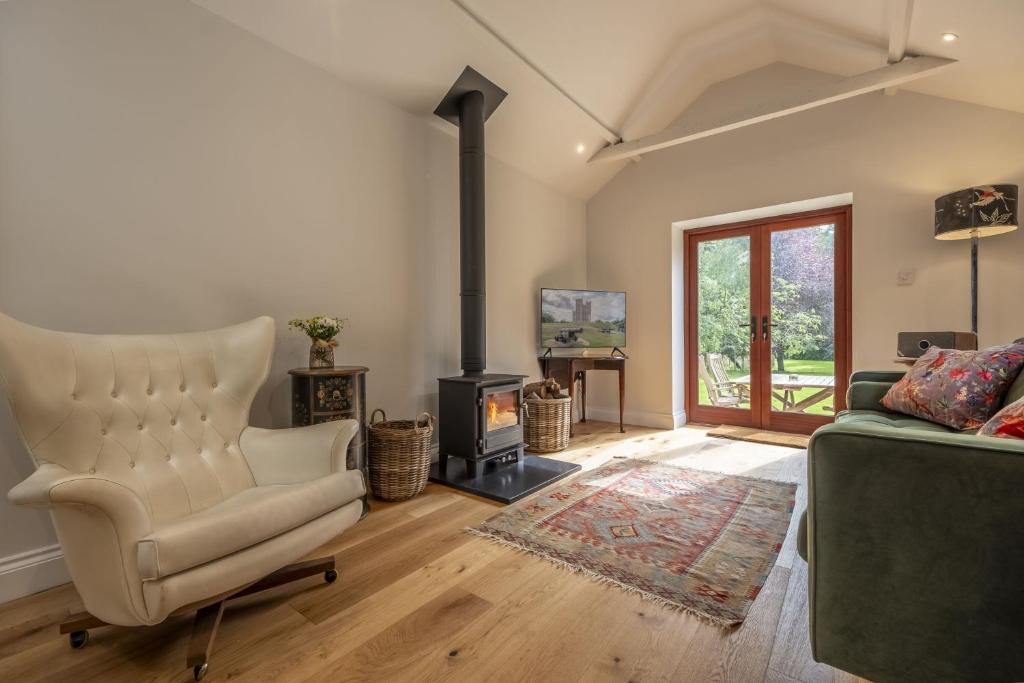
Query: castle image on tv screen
[[576, 318]]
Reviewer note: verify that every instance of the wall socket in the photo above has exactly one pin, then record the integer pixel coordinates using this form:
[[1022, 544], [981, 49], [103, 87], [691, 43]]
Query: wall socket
[[905, 277]]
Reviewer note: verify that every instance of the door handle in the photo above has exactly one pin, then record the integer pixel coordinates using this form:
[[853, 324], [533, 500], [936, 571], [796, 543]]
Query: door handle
[[753, 328], [765, 326]]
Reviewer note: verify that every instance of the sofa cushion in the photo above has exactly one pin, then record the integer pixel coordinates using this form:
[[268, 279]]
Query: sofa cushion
[[1008, 423], [1016, 390], [959, 389], [243, 520], [894, 420]]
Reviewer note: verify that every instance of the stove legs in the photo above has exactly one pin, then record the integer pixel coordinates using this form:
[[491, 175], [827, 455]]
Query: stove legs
[[474, 467]]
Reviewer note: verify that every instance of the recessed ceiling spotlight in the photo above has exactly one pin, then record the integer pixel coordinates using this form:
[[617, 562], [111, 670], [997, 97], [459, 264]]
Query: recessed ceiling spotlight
[[581, 148], [949, 37]]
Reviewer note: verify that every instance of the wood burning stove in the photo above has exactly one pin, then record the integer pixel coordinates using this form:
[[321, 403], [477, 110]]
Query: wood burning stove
[[483, 420], [480, 414]]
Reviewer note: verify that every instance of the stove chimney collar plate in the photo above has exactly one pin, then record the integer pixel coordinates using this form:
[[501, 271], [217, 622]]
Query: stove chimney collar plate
[[468, 81]]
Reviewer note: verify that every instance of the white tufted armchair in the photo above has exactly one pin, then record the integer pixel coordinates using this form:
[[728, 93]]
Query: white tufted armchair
[[163, 498]]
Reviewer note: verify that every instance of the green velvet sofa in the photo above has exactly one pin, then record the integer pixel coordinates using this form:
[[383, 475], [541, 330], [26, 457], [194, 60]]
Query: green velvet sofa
[[914, 539]]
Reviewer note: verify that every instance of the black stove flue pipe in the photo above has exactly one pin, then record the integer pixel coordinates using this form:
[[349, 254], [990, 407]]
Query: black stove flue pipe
[[472, 256], [468, 104]]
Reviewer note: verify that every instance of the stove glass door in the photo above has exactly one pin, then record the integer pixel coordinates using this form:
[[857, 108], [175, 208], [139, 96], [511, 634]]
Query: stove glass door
[[501, 410]]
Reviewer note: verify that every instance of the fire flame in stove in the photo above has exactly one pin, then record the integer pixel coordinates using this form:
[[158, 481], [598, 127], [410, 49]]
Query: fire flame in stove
[[502, 410], [492, 411]]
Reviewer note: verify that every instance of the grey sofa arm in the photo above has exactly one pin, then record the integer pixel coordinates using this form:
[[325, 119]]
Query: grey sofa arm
[[889, 376], [867, 396], [867, 387], [914, 553]]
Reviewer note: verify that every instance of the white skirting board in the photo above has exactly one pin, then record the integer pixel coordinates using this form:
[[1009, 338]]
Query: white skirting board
[[635, 417], [31, 571]]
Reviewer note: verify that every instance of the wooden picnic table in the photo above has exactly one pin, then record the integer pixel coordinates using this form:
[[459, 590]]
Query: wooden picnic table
[[788, 384]]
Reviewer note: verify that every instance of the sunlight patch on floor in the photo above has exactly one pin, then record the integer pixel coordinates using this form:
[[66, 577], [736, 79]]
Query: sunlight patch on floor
[[692, 447]]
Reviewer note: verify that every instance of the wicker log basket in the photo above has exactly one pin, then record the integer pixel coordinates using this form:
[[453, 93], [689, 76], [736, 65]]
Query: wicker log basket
[[546, 427], [399, 455]]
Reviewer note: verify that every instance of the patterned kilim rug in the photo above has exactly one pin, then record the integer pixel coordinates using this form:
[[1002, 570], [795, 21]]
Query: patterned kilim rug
[[690, 539]]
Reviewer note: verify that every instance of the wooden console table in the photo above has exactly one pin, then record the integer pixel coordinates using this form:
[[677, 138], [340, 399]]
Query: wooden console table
[[567, 369]]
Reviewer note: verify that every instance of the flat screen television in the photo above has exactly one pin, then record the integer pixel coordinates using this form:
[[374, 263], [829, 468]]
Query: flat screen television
[[582, 318]]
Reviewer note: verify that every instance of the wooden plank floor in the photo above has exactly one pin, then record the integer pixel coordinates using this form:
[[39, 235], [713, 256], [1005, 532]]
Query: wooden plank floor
[[420, 600]]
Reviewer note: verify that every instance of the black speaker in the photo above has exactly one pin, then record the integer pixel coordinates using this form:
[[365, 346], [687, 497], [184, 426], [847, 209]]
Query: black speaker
[[914, 344]]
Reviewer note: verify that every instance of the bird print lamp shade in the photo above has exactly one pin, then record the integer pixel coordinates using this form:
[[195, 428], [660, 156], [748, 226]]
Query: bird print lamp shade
[[976, 212]]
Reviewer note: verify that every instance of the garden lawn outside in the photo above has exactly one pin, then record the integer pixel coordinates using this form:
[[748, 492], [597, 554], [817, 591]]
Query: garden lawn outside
[[794, 366]]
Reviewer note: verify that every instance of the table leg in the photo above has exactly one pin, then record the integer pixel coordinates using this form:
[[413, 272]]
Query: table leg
[[572, 399], [622, 397], [812, 399], [583, 395]]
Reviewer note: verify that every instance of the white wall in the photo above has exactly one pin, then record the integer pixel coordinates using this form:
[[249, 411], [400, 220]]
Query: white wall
[[895, 154], [162, 170]]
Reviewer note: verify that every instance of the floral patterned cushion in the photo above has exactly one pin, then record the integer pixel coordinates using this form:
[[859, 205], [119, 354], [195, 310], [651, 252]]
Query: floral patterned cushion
[[959, 389], [1007, 423]]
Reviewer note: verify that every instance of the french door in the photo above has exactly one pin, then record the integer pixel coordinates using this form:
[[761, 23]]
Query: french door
[[767, 335]]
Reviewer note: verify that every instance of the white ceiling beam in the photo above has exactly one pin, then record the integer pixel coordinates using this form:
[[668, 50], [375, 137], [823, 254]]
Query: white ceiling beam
[[688, 53], [728, 48], [900, 14], [909, 69], [606, 132]]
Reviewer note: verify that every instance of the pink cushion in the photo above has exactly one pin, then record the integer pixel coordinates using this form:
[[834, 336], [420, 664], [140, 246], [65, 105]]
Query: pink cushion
[[959, 389], [1008, 423]]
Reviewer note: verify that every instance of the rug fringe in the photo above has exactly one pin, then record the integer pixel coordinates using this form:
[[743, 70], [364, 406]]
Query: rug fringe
[[657, 599]]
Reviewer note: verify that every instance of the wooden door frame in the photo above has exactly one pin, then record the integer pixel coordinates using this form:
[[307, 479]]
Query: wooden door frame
[[759, 230]]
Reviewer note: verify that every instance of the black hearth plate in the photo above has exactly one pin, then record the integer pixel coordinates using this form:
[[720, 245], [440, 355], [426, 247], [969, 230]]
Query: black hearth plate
[[504, 482]]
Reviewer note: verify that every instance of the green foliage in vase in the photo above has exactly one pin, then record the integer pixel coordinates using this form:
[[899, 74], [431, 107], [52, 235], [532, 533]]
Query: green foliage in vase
[[319, 326]]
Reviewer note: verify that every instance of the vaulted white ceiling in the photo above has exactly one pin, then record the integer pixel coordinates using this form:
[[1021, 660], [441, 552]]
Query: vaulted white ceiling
[[585, 72]]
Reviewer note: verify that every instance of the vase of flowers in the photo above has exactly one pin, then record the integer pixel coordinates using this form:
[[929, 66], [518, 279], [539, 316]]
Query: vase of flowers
[[322, 331]]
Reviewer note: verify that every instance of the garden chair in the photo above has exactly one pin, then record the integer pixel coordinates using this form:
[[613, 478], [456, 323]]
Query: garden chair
[[716, 363], [722, 393]]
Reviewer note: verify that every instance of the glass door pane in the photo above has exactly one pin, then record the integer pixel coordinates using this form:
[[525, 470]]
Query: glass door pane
[[502, 410], [723, 323], [803, 348]]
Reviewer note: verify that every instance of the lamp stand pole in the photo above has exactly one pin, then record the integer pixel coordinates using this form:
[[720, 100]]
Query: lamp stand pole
[[974, 284]]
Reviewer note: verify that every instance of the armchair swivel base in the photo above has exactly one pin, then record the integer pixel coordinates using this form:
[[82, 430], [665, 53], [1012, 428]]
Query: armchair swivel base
[[209, 612]]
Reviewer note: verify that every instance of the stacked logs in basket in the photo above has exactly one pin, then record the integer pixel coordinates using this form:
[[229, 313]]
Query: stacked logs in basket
[[548, 417], [399, 455]]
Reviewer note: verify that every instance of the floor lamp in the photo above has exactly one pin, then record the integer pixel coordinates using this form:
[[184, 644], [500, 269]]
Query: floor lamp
[[974, 213]]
